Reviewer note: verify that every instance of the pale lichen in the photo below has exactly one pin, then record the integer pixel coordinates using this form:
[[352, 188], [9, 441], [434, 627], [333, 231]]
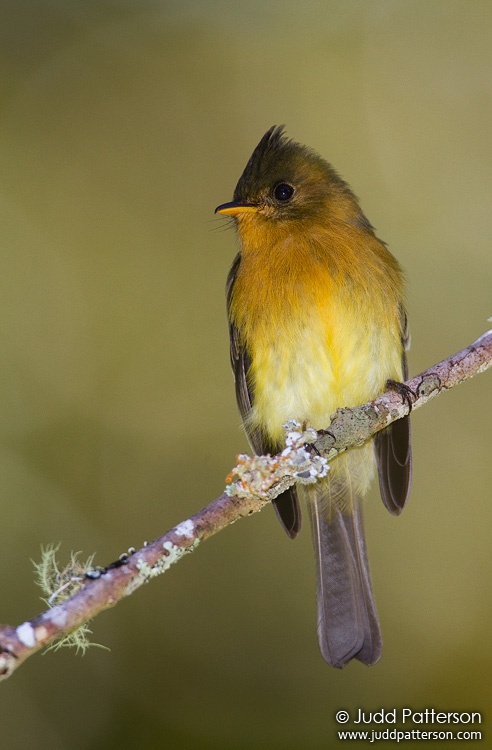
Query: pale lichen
[[186, 529], [58, 585], [26, 635], [171, 554], [258, 475]]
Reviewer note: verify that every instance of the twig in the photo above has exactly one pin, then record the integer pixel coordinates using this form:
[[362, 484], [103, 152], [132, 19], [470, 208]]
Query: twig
[[103, 588]]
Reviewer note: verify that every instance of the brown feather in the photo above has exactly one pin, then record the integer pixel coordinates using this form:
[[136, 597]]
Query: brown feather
[[394, 448], [286, 505], [348, 625]]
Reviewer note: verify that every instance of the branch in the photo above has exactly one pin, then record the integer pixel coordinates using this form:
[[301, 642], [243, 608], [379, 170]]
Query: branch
[[257, 481]]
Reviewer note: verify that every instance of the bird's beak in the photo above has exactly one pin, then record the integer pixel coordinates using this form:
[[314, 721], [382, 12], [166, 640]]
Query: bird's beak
[[233, 208]]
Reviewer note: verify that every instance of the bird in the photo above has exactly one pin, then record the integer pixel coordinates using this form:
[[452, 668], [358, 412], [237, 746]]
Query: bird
[[317, 322]]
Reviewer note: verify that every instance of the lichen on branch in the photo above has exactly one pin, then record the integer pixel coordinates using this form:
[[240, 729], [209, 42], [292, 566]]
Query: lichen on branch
[[79, 592]]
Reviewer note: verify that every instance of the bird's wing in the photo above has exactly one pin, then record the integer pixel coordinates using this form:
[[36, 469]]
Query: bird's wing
[[287, 504], [394, 448]]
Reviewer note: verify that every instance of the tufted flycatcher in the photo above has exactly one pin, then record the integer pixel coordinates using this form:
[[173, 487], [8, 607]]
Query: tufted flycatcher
[[317, 322]]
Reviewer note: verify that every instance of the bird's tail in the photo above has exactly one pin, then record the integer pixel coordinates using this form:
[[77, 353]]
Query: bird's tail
[[348, 626]]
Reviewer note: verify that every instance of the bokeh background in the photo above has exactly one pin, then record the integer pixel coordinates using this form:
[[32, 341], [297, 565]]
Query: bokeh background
[[122, 126]]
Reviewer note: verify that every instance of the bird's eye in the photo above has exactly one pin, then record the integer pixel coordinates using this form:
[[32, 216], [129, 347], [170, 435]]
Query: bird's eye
[[283, 192]]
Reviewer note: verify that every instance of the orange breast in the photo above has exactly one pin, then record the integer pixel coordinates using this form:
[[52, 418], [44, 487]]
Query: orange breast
[[320, 318]]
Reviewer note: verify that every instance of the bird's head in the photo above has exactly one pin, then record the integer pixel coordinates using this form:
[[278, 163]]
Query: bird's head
[[285, 182]]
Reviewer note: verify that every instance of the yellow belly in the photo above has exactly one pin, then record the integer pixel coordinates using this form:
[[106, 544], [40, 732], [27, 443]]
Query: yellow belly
[[320, 320], [308, 368]]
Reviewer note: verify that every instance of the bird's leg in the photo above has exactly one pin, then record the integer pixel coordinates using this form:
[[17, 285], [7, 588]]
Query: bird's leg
[[407, 395]]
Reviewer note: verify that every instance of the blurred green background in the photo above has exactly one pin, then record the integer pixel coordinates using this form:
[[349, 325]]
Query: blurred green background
[[122, 126]]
